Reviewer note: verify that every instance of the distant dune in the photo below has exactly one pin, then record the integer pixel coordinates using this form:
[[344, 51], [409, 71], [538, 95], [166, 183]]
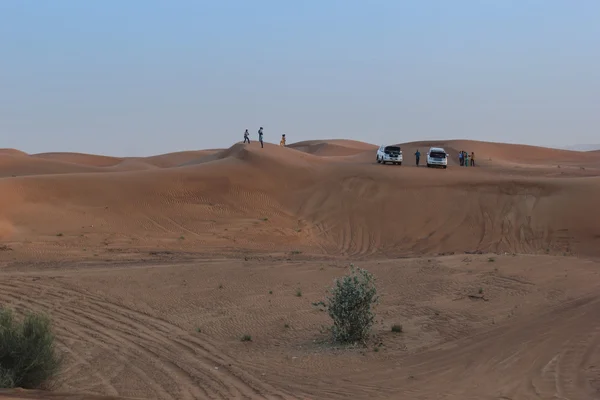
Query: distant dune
[[584, 147], [328, 196], [333, 148], [156, 270], [12, 152]]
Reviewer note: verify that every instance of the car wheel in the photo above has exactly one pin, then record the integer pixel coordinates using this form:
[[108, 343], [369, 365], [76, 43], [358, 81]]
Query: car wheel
[[400, 163]]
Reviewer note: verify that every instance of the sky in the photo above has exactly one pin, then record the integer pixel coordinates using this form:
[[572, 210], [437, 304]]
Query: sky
[[144, 77]]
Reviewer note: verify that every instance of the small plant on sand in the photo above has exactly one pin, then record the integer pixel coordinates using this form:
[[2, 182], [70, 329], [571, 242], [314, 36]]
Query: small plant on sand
[[265, 219], [59, 234], [270, 292], [286, 326], [397, 328], [246, 338], [181, 237], [296, 252], [220, 286], [491, 259], [350, 305], [480, 290], [28, 358], [298, 292]]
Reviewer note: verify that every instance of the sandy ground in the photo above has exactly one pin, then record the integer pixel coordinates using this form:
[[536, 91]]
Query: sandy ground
[[153, 268]]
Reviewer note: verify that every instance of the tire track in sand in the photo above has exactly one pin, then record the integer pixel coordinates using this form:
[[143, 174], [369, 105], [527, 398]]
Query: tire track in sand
[[198, 371]]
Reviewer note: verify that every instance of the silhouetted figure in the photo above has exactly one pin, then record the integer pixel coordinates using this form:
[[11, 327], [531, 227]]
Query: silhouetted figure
[[418, 157], [260, 137]]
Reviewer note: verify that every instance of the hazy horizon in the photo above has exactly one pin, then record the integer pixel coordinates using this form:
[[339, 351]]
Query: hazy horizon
[[143, 77]]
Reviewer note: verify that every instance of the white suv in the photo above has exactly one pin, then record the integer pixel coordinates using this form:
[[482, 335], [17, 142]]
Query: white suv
[[391, 154], [437, 156]]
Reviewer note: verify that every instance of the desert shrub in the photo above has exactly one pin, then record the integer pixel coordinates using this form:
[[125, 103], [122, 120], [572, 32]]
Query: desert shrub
[[246, 338], [397, 328], [28, 358], [350, 305]]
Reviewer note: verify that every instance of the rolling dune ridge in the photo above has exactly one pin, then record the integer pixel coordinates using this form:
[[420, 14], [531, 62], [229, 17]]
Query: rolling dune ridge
[[152, 268]]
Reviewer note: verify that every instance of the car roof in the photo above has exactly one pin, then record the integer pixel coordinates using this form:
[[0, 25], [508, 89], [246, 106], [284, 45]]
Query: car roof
[[437, 149]]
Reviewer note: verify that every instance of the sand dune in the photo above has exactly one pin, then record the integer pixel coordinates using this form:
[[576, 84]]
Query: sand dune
[[502, 154], [12, 152], [81, 158], [338, 207], [153, 267], [332, 148]]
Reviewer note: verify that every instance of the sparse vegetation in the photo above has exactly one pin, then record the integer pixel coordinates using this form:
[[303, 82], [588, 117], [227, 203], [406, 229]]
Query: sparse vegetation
[[270, 292], [397, 328], [480, 290], [181, 237], [59, 234], [296, 252], [350, 305], [286, 326], [491, 259], [198, 330], [28, 358], [246, 338], [298, 292], [265, 219], [220, 286]]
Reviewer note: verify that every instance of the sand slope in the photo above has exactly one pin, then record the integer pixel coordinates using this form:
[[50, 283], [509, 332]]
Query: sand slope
[[307, 201], [154, 267]]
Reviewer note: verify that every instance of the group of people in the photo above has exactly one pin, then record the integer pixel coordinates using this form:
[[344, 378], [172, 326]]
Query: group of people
[[466, 160], [260, 138]]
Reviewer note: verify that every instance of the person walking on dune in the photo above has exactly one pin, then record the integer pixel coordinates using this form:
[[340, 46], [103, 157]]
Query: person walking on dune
[[260, 137], [282, 142], [246, 137], [418, 157]]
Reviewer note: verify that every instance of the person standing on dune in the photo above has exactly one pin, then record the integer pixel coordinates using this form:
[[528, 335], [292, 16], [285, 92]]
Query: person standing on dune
[[461, 158], [418, 157], [260, 137], [246, 137], [282, 142], [472, 159]]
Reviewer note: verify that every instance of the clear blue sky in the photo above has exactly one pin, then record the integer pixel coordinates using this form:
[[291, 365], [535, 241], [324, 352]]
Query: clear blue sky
[[141, 77]]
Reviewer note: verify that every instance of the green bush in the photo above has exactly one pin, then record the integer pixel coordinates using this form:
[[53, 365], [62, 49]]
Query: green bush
[[28, 358], [349, 304]]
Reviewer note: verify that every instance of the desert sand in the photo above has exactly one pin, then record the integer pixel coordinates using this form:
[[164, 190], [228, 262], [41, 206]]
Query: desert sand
[[153, 268]]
